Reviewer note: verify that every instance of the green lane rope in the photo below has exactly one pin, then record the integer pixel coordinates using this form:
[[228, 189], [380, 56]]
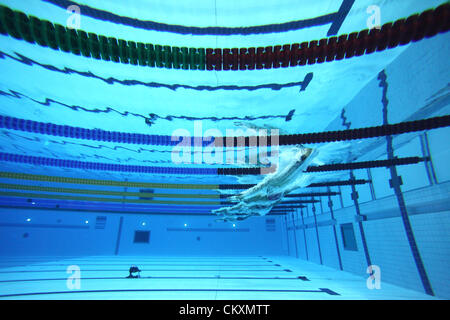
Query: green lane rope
[[57, 37], [108, 192], [36, 177], [96, 199]]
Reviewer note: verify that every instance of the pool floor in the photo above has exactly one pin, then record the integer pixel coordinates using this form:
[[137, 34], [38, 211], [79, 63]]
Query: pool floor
[[187, 278]]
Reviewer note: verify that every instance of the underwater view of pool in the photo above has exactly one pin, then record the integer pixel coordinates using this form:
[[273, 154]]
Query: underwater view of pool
[[222, 150]]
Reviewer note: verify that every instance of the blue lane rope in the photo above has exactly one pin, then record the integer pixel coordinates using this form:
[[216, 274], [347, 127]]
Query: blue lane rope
[[293, 139], [89, 134], [17, 158]]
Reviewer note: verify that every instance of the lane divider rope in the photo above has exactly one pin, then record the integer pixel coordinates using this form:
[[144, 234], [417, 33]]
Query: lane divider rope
[[36, 177], [161, 140], [108, 192], [63, 163], [120, 209], [366, 164], [90, 45], [114, 183], [98, 199]]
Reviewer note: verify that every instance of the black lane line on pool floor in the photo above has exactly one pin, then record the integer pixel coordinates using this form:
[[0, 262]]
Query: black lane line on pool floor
[[302, 278], [278, 265], [321, 290]]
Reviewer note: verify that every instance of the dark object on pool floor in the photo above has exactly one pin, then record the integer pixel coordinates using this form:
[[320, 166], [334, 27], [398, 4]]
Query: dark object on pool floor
[[134, 269]]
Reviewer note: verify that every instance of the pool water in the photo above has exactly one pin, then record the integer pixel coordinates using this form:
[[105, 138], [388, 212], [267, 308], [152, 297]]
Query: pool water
[[201, 143]]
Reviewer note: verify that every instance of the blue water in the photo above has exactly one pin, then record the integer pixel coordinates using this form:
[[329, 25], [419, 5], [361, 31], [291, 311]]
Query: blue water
[[49, 220]]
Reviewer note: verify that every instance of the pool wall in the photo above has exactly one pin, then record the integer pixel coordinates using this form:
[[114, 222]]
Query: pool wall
[[65, 233], [417, 87]]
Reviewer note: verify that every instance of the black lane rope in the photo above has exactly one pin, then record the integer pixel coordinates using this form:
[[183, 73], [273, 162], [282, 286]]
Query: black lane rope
[[338, 183], [312, 185], [293, 195], [329, 167], [365, 133], [311, 194], [366, 164]]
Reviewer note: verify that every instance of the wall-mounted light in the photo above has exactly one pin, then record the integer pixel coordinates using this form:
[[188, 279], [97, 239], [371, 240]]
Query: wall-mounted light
[[234, 225], [185, 224], [28, 220], [143, 224], [87, 221]]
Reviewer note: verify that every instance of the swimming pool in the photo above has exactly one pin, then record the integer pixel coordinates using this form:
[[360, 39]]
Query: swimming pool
[[277, 150]]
